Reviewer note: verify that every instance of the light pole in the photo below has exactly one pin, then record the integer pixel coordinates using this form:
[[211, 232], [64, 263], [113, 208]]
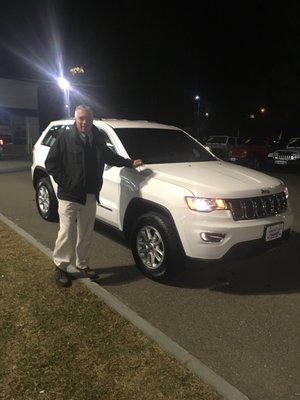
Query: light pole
[[197, 98], [65, 86]]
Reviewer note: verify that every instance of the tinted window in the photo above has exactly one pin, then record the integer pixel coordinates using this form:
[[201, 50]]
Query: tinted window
[[108, 141], [53, 133], [155, 146]]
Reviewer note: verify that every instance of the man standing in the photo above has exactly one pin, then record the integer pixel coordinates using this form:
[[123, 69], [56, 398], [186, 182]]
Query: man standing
[[76, 162]]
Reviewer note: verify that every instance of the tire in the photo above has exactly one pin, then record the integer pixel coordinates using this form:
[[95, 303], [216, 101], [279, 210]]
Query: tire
[[155, 247], [46, 200]]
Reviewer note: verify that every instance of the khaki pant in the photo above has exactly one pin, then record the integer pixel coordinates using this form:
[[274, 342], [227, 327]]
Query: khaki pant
[[75, 232]]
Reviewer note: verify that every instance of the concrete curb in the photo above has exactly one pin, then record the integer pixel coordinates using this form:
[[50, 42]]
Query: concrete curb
[[219, 384]]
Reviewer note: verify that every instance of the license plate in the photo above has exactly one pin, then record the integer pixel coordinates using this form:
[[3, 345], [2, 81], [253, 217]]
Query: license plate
[[273, 232], [232, 159], [281, 162]]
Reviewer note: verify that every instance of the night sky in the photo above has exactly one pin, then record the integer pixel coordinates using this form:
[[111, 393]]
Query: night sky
[[148, 60]]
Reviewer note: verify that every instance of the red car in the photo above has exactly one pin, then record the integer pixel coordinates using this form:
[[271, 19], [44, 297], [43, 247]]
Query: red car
[[253, 153]]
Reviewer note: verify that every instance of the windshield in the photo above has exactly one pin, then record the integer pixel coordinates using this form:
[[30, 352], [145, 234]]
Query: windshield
[[217, 139], [259, 141], [294, 142], [157, 146]]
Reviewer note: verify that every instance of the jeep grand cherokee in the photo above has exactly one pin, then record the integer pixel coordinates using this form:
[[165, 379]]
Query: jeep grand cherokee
[[182, 203]]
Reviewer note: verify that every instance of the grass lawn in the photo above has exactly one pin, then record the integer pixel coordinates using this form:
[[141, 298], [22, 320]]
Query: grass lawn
[[66, 344]]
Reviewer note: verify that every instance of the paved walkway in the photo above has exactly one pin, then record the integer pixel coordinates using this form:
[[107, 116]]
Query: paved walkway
[[227, 390]]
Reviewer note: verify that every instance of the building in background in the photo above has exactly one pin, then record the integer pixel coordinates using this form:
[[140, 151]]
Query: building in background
[[19, 116]]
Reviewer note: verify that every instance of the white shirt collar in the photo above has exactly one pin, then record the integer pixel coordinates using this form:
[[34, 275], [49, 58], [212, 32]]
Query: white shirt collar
[[83, 136]]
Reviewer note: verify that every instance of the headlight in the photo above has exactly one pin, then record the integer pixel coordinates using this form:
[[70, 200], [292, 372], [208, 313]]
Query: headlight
[[205, 205], [286, 192]]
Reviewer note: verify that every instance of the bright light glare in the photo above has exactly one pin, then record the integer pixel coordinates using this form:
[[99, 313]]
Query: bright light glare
[[63, 83], [45, 53]]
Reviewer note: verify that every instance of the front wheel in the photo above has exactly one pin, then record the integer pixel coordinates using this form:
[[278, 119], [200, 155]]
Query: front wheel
[[155, 247], [46, 201]]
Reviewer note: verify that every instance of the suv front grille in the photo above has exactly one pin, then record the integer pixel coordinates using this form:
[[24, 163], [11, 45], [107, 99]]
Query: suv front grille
[[257, 207], [285, 155]]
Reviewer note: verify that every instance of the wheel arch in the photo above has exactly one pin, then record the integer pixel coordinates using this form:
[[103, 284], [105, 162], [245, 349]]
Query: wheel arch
[[138, 207], [38, 174]]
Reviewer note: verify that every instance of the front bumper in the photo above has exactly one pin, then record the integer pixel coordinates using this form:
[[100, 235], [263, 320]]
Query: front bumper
[[235, 233], [278, 161]]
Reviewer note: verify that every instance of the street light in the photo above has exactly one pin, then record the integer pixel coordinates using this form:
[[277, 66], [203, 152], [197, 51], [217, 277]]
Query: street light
[[263, 122], [197, 98], [65, 86], [197, 116]]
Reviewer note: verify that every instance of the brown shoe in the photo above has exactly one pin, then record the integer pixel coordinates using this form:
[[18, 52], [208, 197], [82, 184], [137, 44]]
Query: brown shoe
[[62, 278], [88, 273]]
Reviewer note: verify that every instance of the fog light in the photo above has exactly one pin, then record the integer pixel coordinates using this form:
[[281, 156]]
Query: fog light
[[212, 237]]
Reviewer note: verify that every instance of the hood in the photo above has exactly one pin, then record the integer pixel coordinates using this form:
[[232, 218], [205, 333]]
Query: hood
[[291, 148], [217, 179]]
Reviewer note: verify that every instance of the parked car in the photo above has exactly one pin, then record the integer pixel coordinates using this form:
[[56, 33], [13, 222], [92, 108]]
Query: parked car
[[182, 203], [253, 153], [5, 141], [288, 156], [221, 144]]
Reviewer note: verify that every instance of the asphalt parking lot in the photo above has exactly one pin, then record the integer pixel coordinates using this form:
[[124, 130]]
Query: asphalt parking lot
[[240, 320]]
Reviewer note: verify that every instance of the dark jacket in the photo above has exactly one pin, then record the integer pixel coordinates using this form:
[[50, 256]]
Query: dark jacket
[[65, 162]]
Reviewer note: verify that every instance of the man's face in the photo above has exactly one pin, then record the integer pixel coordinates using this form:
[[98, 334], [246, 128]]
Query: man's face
[[84, 121]]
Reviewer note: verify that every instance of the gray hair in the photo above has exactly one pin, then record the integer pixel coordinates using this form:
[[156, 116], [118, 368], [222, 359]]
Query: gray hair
[[83, 107]]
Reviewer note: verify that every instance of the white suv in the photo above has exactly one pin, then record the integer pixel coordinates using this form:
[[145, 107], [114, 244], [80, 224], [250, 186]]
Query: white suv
[[182, 203], [288, 156]]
